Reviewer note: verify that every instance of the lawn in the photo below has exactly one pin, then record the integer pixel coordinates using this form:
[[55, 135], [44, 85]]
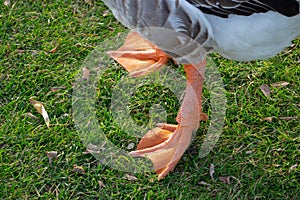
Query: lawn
[[43, 47]]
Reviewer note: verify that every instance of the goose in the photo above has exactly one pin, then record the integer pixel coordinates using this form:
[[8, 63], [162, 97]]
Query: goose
[[241, 30]]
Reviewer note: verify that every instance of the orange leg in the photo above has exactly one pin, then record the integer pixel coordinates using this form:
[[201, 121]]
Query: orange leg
[[165, 144]]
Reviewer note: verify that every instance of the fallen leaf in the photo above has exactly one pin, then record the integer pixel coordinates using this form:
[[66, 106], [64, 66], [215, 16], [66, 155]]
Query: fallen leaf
[[248, 152], [90, 2], [41, 109], [268, 119], [55, 89], [74, 10], [110, 28], [21, 51], [78, 169], [130, 146], [88, 35], [54, 50], [130, 177], [85, 74], [51, 155], [293, 167], [3, 145], [204, 183], [30, 115], [225, 179], [280, 84], [34, 52], [7, 3], [101, 184], [212, 170], [65, 115], [265, 89], [287, 118], [105, 13]]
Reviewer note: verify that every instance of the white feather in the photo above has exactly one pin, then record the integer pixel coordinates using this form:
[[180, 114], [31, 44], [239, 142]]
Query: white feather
[[253, 37]]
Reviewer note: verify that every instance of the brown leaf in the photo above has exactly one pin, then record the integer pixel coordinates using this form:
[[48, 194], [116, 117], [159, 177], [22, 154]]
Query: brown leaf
[[212, 170], [3, 145], [265, 89], [90, 2], [105, 13], [287, 118], [65, 115], [30, 115], [268, 119], [55, 89], [51, 155], [85, 74], [101, 184], [293, 167], [225, 179], [280, 84], [54, 50], [41, 109], [34, 52], [204, 183], [130, 146], [78, 169], [249, 152], [130, 177], [21, 51], [6, 2]]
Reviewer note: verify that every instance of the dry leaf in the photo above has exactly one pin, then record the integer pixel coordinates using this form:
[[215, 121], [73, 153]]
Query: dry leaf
[[293, 167], [204, 183], [105, 13], [40, 108], [287, 118], [265, 89], [101, 184], [65, 115], [51, 155], [54, 50], [280, 84], [130, 146], [30, 115], [212, 170], [34, 52], [7, 3], [268, 119], [85, 74], [248, 152], [225, 179], [90, 2], [3, 145], [21, 51], [55, 89], [78, 169], [91, 149], [130, 177]]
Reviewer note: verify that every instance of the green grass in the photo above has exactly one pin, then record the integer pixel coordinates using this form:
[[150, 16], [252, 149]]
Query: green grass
[[258, 154]]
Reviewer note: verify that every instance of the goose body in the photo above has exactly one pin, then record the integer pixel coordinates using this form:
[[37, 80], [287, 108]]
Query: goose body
[[237, 29]]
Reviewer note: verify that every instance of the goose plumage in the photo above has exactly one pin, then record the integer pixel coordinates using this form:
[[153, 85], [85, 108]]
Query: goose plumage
[[242, 30]]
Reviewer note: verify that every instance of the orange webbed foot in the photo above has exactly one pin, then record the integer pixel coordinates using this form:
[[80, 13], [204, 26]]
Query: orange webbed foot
[[139, 56], [164, 147]]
